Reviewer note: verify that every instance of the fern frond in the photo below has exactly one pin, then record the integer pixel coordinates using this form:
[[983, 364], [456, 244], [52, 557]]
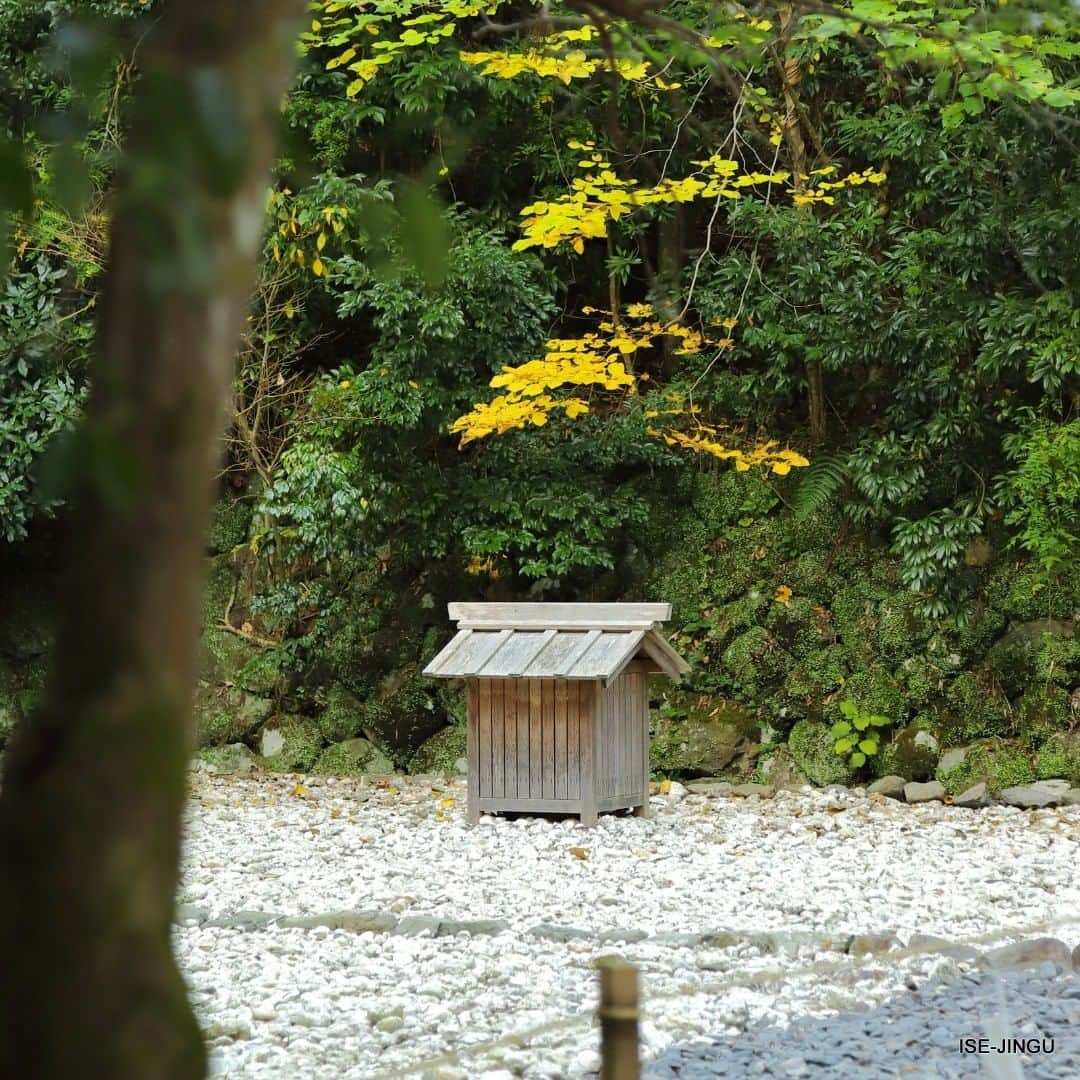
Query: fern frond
[[819, 484]]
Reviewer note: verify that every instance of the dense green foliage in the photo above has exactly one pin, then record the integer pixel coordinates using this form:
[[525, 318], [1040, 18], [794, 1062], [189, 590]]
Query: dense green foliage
[[921, 570]]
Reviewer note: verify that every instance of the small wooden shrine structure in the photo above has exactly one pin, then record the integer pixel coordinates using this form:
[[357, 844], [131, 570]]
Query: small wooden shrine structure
[[558, 703]]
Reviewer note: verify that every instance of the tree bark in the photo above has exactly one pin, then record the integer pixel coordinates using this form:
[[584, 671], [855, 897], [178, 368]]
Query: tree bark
[[791, 79], [94, 783]]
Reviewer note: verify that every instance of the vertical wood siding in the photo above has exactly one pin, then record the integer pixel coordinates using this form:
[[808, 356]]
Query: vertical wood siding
[[532, 739]]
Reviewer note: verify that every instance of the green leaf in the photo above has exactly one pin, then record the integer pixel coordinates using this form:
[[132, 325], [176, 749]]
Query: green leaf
[[879, 721], [844, 745], [847, 708], [840, 729], [862, 723], [869, 746], [16, 186], [857, 760], [425, 238], [70, 179]]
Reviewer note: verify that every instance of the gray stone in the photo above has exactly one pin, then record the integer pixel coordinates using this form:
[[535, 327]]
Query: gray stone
[[780, 770], [379, 922], [931, 943], [413, 925], [931, 791], [709, 786], [232, 758], [189, 912], [1028, 954], [978, 795], [892, 787], [1034, 796], [476, 927], [953, 758], [872, 944], [762, 791], [389, 1024], [618, 934], [1071, 797], [674, 939], [1076, 958], [244, 920], [551, 932]]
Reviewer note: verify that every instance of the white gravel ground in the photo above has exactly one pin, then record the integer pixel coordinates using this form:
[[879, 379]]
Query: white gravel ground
[[816, 867]]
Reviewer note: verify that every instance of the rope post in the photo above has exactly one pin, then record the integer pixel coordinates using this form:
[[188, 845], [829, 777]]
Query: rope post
[[618, 1015]]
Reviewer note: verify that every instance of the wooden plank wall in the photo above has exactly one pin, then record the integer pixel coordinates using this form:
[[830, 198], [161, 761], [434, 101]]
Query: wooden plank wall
[[621, 737], [528, 737]]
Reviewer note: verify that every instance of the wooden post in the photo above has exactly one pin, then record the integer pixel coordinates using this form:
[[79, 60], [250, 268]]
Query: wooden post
[[472, 741], [618, 1015], [590, 706]]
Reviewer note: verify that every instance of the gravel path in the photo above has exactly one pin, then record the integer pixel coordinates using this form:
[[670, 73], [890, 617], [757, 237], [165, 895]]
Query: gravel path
[[414, 936]]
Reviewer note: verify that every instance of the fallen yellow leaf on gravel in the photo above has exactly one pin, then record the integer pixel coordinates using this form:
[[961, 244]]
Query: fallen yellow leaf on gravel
[[449, 801], [299, 790], [579, 852]]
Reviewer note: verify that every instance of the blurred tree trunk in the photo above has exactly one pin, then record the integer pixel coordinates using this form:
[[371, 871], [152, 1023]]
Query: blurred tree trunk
[[94, 787], [791, 80]]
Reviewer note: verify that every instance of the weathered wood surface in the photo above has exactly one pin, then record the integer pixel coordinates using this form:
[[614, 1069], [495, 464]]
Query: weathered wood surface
[[554, 654], [558, 745], [521, 616]]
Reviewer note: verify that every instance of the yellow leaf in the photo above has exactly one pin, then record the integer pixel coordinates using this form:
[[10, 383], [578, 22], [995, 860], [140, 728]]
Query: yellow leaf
[[321, 242], [299, 790], [579, 852], [665, 787], [578, 245], [317, 267]]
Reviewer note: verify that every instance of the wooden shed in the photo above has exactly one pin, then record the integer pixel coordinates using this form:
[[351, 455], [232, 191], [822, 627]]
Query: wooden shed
[[558, 703]]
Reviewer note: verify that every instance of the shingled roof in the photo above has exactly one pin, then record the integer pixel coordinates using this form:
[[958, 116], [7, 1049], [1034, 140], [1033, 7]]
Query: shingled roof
[[555, 641]]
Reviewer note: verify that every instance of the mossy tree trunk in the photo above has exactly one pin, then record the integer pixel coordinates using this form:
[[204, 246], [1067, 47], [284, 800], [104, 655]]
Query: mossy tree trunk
[[94, 784]]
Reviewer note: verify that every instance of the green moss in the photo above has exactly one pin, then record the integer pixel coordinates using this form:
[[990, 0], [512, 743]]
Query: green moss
[[911, 753], [343, 716], [875, 691], [9, 705], [755, 661], [441, 753], [978, 633], [1037, 649], [218, 588], [229, 525], [814, 534], [920, 680], [403, 712], [1057, 660], [450, 694], [799, 625], [700, 735], [291, 743], [225, 714], [228, 759], [1017, 590], [731, 619], [808, 685], [1042, 712], [811, 747], [854, 612], [974, 708], [230, 660], [1059, 757], [901, 628], [998, 763], [352, 757]]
